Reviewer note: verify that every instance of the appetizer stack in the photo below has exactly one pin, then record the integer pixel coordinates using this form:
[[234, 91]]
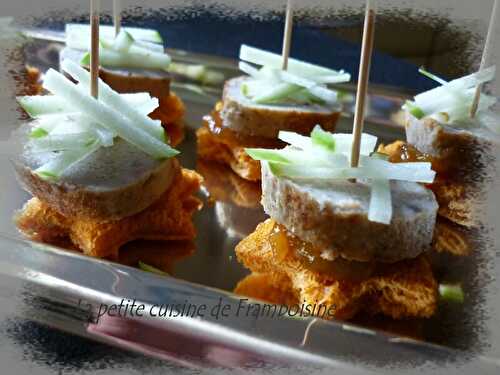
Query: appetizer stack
[[441, 129], [348, 229], [131, 61], [256, 107], [101, 171], [342, 244]]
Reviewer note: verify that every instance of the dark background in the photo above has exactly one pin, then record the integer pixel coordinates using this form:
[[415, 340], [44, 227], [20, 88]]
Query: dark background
[[403, 43]]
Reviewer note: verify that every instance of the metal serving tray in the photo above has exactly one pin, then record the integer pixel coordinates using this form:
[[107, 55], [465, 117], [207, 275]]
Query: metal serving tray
[[63, 289]]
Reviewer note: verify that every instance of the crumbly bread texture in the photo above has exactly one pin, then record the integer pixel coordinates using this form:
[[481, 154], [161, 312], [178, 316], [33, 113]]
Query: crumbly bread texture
[[169, 218], [455, 239], [218, 149], [243, 116], [29, 82], [400, 290], [334, 216], [223, 185], [458, 202], [112, 183], [170, 112], [268, 287], [156, 83], [279, 291]]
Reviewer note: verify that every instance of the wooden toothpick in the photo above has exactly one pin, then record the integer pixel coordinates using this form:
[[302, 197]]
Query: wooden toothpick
[[117, 15], [287, 36], [485, 58], [364, 74], [94, 47]]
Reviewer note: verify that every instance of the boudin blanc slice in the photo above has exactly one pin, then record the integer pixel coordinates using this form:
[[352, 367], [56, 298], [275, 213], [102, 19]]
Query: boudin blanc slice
[[334, 216], [463, 159], [242, 115], [127, 80], [112, 183], [461, 151]]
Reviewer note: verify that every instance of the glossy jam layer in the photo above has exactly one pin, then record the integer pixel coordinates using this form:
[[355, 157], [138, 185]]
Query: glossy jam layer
[[402, 152], [214, 123], [284, 243]]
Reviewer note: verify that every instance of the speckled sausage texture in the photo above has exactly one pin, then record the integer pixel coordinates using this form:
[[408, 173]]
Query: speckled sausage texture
[[113, 183], [334, 216], [243, 116], [463, 159]]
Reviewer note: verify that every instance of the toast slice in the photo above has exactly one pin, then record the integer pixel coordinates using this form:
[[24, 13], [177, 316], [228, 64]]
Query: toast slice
[[268, 287], [171, 112], [455, 239], [279, 291], [401, 290], [169, 218]]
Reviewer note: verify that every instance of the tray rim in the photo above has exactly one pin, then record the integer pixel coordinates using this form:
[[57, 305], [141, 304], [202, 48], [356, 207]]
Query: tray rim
[[13, 252]]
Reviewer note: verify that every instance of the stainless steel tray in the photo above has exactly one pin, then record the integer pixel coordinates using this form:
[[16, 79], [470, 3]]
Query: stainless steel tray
[[64, 289]]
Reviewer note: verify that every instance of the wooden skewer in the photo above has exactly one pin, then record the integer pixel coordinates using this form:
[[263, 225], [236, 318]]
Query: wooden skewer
[[485, 58], [94, 47], [117, 15], [287, 36], [364, 74]]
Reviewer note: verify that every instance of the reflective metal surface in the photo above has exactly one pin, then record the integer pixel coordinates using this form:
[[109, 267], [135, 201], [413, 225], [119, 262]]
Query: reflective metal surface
[[66, 290]]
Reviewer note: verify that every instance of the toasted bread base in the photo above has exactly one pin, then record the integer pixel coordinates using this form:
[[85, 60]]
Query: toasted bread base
[[278, 291], [454, 239], [213, 148], [30, 82], [400, 290], [169, 218], [267, 287], [171, 112]]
